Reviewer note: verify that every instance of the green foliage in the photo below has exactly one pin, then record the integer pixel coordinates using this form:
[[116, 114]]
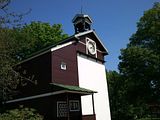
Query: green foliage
[[138, 82], [120, 105], [18, 42], [9, 18], [21, 114], [36, 36], [139, 67], [140, 61], [8, 77], [148, 37], [148, 30], [116, 95], [149, 118]]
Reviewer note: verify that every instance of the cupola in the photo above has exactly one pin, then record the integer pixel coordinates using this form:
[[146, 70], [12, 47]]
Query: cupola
[[81, 23]]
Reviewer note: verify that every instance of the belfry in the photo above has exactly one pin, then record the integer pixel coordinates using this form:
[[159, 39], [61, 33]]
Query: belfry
[[82, 23]]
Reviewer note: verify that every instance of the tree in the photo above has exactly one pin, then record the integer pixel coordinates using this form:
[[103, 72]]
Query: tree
[[116, 95], [36, 36], [148, 30], [140, 64], [9, 18], [21, 113], [8, 77], [18, 42], [148, 36]]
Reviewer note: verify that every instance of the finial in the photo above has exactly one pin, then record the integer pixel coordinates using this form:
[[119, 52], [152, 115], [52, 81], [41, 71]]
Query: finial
[[81, 6]]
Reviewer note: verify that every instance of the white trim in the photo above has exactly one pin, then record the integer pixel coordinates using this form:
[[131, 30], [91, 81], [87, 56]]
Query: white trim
[[85, 44], [51, 49], [58, 102], [78, 109], [64, 45], [100, 41], [83, 33], [63, 66], [100, 51], [82, 42], [61, 46], [89, 31], [45, 95], [36, 96], [82, 15], [43, 52]]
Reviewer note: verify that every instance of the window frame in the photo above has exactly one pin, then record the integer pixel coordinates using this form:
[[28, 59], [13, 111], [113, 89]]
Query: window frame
[[78, 105], [62, 102], [63, 66]]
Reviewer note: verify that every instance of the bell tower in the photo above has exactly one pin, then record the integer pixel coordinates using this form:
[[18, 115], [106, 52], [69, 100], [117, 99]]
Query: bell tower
[[81, 23]]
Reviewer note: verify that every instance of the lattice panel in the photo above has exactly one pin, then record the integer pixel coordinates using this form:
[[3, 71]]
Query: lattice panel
[[62, 109]]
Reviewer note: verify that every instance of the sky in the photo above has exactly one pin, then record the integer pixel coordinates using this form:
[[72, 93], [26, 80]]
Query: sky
[[113, 20]]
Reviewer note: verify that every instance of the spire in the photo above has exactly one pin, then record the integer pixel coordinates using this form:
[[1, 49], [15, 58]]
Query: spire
[[81, 23], [81, 7]]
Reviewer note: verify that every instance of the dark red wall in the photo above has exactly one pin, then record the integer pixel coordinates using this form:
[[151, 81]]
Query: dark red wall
[[46, 68], [67, 55]]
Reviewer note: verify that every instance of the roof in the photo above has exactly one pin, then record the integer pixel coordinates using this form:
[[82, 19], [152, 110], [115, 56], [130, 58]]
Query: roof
[[81, 15], [58, 89], [73, 89], [72, 38], [47, 49]]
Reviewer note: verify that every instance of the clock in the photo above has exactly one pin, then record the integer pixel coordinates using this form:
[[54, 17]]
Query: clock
[[91, 46]]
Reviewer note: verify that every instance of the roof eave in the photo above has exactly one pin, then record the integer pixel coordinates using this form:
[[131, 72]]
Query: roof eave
[[92, 31], [45, 50], [82, 15]]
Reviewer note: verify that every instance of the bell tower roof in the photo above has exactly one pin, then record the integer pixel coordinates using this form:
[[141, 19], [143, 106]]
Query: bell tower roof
[[81, 16], [82, 23]]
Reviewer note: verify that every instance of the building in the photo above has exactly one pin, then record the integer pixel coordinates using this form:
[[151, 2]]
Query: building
[[71, 77]]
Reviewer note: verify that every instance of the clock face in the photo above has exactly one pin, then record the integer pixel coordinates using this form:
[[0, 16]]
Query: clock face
[[91, 47]]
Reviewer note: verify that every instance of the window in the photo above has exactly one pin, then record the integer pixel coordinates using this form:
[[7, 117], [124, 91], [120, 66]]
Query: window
[[74, 105], [63, 66], [62, 109]]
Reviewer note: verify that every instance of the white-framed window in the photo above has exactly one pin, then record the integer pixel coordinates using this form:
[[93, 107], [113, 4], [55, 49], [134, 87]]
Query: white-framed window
[[62, 109], [74, 105], [63, 66]]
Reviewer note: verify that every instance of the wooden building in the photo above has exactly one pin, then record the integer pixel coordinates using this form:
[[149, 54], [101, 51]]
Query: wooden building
[[71, 77]]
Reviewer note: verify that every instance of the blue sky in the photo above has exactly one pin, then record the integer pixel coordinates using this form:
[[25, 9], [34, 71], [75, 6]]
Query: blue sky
[[113, 20]]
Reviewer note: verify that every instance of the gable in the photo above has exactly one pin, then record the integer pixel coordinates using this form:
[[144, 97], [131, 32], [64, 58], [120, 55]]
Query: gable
[[93, 36]]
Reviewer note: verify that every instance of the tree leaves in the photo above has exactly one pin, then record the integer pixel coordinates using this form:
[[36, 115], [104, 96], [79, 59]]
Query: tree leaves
[[21, 113], [36, 36], [148, 30], [139, 69]]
